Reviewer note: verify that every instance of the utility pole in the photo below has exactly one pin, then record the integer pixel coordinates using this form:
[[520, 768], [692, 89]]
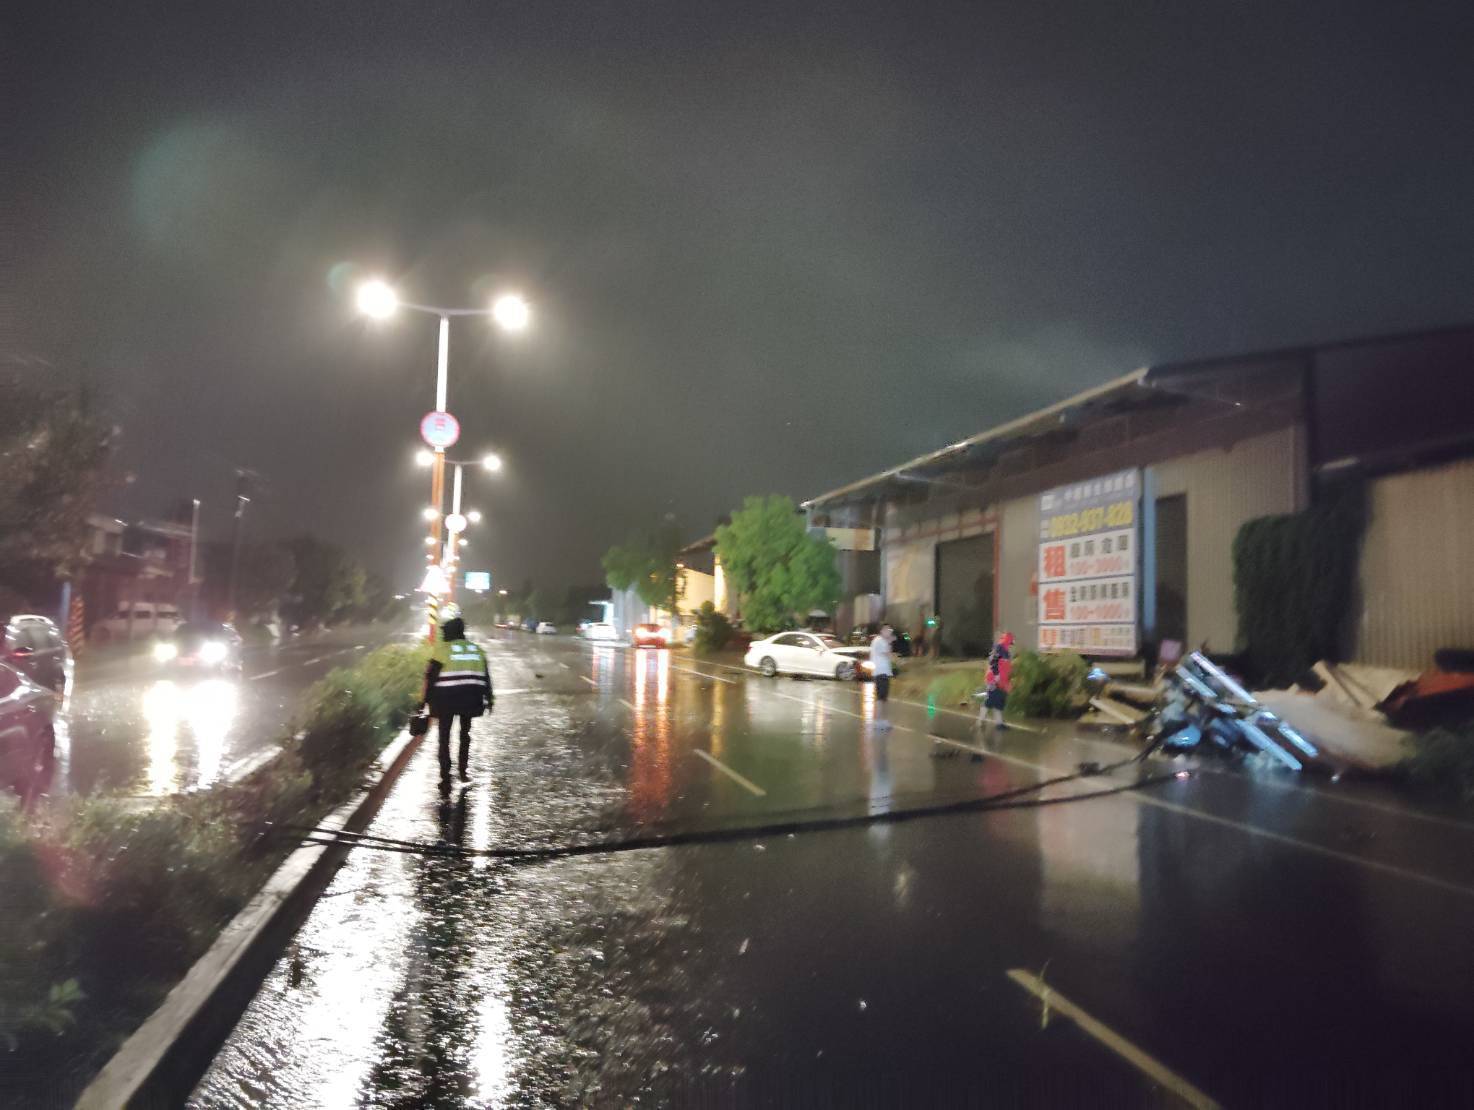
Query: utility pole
[[242, 499]]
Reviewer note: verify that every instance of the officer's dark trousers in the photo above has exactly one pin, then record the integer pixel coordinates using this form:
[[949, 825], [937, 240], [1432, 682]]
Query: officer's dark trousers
[[446, 721]]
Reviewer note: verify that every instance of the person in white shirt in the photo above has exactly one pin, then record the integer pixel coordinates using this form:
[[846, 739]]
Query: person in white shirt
[[882, 670]]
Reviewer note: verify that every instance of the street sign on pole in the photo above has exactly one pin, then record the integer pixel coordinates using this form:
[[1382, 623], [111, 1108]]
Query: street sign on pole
[[440, 430], [478, 581]]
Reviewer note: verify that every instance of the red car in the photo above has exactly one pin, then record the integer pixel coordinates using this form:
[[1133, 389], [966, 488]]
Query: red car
[[650, 635]]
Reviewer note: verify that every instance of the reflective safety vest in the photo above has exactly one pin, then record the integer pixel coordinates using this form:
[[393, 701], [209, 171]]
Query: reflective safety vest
[[462, 666]]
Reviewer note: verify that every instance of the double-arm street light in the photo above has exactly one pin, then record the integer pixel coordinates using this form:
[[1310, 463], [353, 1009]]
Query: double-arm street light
[[509, 311], [455, 523]]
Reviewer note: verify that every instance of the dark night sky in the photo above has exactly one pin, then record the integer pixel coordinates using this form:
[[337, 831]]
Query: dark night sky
[[772, 247]]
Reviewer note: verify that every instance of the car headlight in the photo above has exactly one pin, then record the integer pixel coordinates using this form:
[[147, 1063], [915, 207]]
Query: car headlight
[[164, 651], [212, 651]]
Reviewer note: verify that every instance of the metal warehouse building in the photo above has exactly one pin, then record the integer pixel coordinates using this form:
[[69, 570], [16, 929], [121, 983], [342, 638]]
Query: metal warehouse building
[[1105, 523]]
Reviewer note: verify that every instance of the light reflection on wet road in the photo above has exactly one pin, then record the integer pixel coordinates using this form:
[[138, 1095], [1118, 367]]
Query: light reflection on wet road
[[131, 726], [1203, 921]]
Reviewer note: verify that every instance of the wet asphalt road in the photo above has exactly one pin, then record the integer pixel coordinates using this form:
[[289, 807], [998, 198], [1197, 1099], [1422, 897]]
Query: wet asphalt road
[[1259, 939], [131, 727]]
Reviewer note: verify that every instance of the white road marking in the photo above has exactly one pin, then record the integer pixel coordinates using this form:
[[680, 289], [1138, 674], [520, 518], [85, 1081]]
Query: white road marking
[[628, 705], [1341, 799], [1004, 756], [266, 674], [746, 784], [1188, 811], [703, 674], [587, 679], [1281, 838], [1148, 1065]]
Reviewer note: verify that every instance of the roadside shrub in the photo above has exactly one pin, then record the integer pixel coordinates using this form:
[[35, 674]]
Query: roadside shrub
[[1051, 685], [110, 900], [1442, 763], [32, 998], [398, 671], [713, 629], [154, 883], [955, 689], [352, 712]]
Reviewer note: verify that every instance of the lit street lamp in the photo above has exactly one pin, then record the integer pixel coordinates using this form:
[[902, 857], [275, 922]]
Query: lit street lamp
[[455, 522], [378, 300]]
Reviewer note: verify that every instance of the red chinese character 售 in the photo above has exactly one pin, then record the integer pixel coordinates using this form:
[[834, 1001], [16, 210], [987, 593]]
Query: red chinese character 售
[[1054, 604]]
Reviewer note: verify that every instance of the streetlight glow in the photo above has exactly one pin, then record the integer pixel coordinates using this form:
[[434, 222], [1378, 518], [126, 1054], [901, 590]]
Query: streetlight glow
[[474, 516], [511, 312], [377, 299], [492, 462], [430, 512], [424, 457]]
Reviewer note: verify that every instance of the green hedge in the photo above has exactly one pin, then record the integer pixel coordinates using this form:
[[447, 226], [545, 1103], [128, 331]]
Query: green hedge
[[1043, 685], [1295, 584], [108, 902]]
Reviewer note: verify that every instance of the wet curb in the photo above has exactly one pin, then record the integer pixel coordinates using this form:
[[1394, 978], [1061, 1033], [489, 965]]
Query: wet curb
[[160, 1063]]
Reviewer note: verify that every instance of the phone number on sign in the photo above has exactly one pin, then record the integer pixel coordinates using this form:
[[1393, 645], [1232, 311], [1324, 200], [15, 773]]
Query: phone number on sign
[[1120, 514]]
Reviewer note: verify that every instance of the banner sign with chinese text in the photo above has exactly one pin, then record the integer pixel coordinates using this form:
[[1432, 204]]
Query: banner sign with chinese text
[[1088, 535]]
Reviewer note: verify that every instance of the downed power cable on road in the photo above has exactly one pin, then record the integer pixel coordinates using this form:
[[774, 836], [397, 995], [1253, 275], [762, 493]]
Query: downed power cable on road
[[1017, 798]]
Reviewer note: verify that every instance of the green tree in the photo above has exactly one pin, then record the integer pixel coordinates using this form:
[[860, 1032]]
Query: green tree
[[263, 581], [327, 584], [647, 564], [777, 569], [534, 604], [54, 447]]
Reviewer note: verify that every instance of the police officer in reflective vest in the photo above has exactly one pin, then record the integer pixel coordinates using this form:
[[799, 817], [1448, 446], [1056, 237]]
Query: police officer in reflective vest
[[457, 684]]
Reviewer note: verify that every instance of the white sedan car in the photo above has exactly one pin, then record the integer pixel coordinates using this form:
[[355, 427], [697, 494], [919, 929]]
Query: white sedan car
[[808, 653], [547, 628]]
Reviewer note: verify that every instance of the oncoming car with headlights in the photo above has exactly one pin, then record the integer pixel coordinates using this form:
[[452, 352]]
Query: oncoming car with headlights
[[200, 646]]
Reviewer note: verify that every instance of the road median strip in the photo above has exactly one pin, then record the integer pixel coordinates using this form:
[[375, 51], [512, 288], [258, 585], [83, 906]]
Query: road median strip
[[163, 1059]]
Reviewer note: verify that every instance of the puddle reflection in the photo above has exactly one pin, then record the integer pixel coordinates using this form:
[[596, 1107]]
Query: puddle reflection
[[650, 738], [198, 717]]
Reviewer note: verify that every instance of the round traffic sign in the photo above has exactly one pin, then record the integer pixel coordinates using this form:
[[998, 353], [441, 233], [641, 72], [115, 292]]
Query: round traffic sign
[[440, 430], [455, 523]]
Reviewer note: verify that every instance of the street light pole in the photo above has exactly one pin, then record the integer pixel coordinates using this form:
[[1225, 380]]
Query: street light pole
[[454, 537], [510, 312]]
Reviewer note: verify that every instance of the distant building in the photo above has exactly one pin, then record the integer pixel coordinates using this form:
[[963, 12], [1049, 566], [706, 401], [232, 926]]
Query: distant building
[[128, 563], [1105, 523]]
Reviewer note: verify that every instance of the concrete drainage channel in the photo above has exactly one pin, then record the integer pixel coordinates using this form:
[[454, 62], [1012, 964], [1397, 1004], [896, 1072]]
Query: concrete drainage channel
[[164, 1058]]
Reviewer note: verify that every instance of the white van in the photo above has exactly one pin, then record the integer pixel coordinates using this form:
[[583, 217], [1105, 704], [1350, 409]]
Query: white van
[[138, 619]]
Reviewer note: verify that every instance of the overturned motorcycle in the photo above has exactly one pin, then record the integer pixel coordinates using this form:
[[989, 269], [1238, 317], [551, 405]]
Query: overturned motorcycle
[[1200, 707]]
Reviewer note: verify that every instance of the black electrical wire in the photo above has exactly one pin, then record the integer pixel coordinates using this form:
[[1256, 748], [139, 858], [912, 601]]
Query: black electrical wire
[[1016, 798]]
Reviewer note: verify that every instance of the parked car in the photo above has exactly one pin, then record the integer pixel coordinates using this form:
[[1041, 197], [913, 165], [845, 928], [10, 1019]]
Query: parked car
[[808, 653], [649, 635], [862, 634], [547, 628], [27, 733], [600, 632], [201, 646], [34, 646], [139, 619]]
